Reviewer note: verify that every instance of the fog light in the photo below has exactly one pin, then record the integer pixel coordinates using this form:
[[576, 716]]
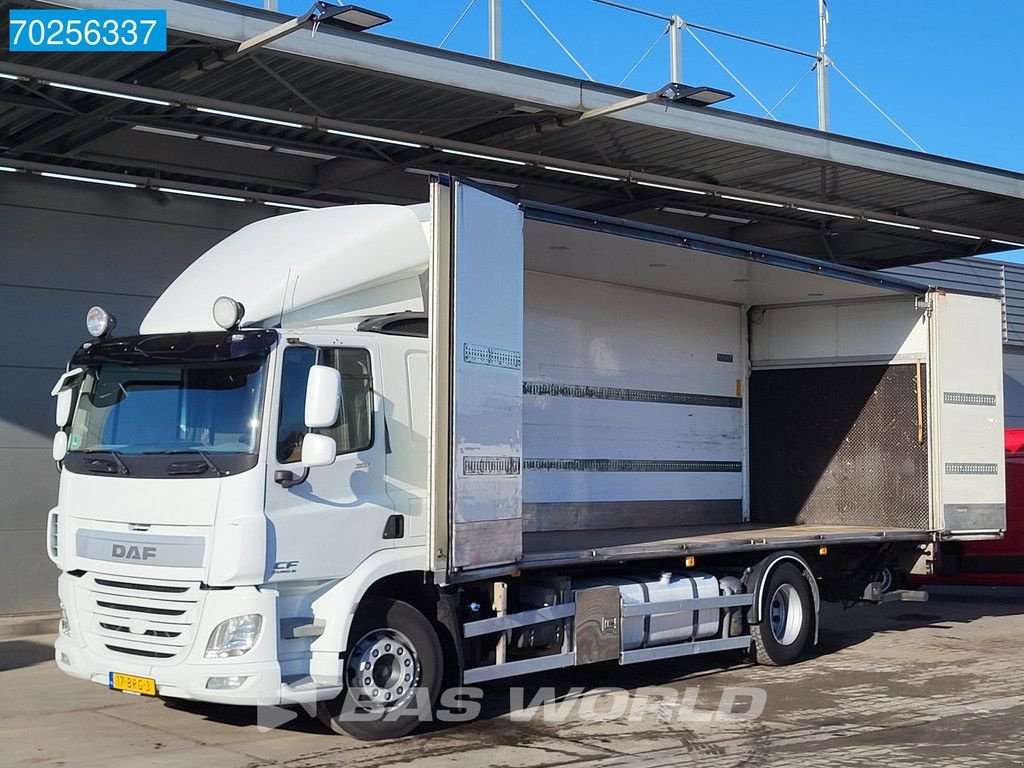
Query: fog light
[[65, 660], [99, 322], [226, 683], [65, 623], [234, 637]]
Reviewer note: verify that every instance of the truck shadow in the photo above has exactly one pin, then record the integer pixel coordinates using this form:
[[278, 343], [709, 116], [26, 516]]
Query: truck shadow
[[16, 654], [948, 608]]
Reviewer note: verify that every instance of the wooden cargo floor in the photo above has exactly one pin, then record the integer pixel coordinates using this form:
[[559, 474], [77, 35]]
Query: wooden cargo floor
[[544, 548]]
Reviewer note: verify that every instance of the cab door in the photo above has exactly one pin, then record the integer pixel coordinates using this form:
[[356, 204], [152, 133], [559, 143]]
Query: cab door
[[325, 526]]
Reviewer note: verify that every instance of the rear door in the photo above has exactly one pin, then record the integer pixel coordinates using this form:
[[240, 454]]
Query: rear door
[[476, 378], [967, 395]]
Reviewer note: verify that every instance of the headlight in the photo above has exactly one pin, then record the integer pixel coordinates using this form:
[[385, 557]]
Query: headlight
[[234, 637], [99, 322], [65, 624]]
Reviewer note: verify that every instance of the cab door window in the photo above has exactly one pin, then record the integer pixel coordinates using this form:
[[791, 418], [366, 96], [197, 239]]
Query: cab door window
[[353, 431]]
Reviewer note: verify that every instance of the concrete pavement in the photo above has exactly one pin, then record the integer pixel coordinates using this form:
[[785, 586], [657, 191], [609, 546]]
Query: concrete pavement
[[907, 684]]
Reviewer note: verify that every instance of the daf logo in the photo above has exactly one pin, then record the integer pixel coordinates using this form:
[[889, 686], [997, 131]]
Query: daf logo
[[126, 552]]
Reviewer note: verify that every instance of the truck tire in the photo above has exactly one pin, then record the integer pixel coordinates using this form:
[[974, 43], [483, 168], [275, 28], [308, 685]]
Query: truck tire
[[787, 617], [889, 579], [393, 672]]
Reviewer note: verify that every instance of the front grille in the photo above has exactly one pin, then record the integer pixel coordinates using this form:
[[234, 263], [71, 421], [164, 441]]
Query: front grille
[[141, 652], [145, 618], [146, 633], [140, 608], [141, 587]]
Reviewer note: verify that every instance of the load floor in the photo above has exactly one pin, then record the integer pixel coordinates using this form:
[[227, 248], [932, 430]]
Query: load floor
[[548, 548]]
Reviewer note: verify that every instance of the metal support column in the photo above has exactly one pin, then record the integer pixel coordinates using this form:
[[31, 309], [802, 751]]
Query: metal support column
[[675, 40], [494, 37], [822, 66]]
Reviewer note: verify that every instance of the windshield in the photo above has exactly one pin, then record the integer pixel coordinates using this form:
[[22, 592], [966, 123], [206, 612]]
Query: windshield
[[207, 407]]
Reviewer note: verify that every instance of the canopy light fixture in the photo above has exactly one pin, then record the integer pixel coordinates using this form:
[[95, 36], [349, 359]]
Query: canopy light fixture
[[243, 116], [956, 234], [703, 215], [8, 169], [5, 76], [165, 132], [899, 224], [110, 94], [382, 140], [752, 201], [1008, 242], [831, 214], [351, 18], [670, 188], [99, 322], [588, 174], [209, 195], [289, 206], [477, 156], [227, 312], [88, 179], [697, 95]]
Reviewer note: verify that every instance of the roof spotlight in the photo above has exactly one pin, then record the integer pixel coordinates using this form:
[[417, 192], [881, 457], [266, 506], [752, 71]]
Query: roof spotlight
[[227, 312], [99, 322]]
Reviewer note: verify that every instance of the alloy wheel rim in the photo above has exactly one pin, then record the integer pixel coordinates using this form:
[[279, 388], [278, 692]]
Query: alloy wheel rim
[[383, 670]]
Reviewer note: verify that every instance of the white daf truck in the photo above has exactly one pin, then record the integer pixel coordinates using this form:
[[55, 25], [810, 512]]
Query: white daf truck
[[361, 454]]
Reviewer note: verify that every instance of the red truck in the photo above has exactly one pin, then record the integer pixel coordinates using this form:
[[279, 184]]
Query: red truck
[[989, 563]]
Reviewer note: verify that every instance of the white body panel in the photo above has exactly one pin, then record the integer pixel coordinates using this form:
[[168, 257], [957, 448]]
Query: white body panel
[[626, 342], [885, 331], [487, 389], [281, 268], [967, 406]]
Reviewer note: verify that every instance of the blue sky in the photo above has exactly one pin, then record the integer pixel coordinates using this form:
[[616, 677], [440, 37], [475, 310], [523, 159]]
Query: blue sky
[[948, 71]]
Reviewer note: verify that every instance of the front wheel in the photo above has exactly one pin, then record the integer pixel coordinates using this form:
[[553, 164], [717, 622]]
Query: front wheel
[[392, 674], [787, 617]]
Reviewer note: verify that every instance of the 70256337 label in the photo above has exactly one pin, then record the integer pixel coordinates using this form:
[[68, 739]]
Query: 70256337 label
[[97, 31]]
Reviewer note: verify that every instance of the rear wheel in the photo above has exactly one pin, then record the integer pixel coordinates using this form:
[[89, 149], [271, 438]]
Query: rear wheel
[[787, 617], [392, 674], [889, 579]]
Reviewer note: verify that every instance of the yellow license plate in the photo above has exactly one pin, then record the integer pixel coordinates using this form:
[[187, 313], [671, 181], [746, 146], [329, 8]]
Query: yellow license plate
[[146, 686]]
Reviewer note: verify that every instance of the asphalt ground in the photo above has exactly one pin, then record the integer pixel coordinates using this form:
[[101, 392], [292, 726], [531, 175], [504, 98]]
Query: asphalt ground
[[909, 684]]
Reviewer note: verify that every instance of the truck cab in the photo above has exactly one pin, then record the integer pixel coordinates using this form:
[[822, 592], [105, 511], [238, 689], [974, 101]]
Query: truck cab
[[216, 481]]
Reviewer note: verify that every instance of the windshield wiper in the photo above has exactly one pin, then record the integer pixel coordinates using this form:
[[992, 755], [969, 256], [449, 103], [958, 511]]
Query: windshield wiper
[[181, 469], [116, 456]]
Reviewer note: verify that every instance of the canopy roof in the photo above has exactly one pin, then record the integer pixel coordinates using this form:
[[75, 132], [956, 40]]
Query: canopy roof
[[750, 180]]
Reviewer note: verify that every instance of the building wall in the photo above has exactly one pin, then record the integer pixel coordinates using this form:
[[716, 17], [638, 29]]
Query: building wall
[[65, 246]]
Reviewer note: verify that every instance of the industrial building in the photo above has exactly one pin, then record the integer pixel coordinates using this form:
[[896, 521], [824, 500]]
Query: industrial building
[[117, 171]]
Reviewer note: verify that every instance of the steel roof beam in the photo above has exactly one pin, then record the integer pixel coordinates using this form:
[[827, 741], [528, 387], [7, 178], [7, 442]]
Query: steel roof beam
[[728, 197], [227, 22]]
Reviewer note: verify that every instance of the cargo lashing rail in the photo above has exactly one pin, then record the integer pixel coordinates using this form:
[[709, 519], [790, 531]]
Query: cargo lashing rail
[[592, 624]]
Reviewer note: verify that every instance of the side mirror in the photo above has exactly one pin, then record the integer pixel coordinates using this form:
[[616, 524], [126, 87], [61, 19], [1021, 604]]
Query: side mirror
[[318, 450], [60, 446], [63, 390], [64, 398], [323, 397]]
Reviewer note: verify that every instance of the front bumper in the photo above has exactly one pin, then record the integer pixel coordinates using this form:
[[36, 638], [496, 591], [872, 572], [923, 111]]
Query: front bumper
[[126, 625]]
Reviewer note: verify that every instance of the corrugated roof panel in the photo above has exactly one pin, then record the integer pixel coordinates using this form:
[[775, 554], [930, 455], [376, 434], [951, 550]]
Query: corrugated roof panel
[[475, 101]]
